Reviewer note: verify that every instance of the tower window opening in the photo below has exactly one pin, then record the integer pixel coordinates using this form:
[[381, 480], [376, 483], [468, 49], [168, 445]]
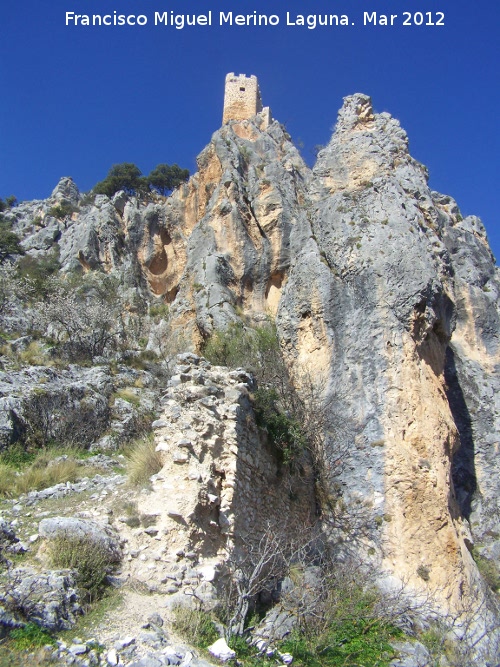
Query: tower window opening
[[242, 90]]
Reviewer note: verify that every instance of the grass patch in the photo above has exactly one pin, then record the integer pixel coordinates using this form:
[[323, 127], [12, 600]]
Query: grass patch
[[31, 637], [34, 355], [195, 625], [37, 477], [349, 643], [129, 395], [95, 615], [16, 457], [7, 480], [142, 460], [22, 471]]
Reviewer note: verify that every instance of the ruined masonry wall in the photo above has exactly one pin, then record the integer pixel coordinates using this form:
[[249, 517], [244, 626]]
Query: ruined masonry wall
[[221, 485]]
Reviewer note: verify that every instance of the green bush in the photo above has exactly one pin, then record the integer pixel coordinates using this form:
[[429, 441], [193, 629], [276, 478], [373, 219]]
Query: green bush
[[350, 643], [488, 569], [284, 431], [257, 350], [159, 311]]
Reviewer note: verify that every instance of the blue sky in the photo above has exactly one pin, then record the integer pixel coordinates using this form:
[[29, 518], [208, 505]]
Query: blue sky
[[76, 100]]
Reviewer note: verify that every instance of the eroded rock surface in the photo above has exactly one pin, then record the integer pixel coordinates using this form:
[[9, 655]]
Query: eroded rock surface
[[379, 289]]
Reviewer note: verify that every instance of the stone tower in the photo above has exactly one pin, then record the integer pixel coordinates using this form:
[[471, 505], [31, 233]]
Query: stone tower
[[242, 99]]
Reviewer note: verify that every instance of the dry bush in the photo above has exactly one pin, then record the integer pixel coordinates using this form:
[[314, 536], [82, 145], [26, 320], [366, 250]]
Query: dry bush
[[63, 417], [90, 558], [142, 460], [82, 318]]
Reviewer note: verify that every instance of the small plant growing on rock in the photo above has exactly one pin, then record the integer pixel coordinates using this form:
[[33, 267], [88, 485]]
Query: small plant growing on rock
[[62, 210], [423, 572]]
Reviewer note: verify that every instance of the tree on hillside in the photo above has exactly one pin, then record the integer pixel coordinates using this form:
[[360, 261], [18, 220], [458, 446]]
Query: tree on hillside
[[165, 178], [9, 240], [125, 176], [8, 203], [128, 177]]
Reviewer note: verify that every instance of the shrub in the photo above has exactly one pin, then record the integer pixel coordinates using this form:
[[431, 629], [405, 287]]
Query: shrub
[[284, 431], [298, 418], [38, 272], [61, 417], [62, 210], [143, 460], [82, 316], [423, 572], [195, 625], [257, 350], [488, 569], [159, 311], [90, 558]]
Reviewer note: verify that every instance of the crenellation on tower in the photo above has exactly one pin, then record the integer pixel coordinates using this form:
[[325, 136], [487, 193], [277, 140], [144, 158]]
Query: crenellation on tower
[[242, 99]]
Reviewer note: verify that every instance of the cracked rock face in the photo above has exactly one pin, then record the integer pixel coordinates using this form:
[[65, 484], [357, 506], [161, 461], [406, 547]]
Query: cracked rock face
[[379, 289]]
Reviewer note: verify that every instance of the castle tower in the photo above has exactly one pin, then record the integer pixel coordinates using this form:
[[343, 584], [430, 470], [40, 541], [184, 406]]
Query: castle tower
[[242, 99]]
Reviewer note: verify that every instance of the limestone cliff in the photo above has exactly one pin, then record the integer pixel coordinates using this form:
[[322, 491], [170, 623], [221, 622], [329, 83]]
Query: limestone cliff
[[376, 284]]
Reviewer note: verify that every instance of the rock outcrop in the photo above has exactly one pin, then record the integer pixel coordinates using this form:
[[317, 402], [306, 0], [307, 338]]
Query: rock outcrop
[[380, 290]]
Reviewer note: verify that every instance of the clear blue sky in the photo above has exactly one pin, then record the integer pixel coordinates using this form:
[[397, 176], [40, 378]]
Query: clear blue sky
[[76, 100]]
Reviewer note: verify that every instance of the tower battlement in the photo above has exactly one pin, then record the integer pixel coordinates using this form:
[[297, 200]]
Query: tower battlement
[[242, 98]]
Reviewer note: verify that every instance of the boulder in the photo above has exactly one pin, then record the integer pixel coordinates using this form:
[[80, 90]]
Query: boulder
[[221, 650], [48, 598]]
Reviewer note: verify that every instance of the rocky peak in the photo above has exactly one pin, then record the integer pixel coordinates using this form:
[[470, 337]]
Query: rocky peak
[[66, 189], [356, 110]]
